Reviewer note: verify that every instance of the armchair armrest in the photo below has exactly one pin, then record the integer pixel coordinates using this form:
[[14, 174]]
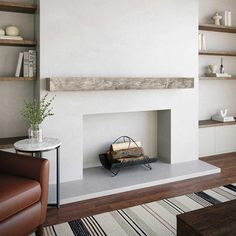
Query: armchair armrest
[[27, 167]]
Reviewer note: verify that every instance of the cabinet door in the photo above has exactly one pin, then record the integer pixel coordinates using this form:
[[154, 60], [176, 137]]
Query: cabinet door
[[206, 141], [226, 139]]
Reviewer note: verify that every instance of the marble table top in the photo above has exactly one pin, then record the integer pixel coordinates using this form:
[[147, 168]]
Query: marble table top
[[28, 146]]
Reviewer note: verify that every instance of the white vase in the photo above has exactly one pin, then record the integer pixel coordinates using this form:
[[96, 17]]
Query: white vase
[[35, 133], [217, 18], [213, 68]]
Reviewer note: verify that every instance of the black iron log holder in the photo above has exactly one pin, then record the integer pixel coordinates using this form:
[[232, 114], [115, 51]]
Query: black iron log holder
[[115, 165]]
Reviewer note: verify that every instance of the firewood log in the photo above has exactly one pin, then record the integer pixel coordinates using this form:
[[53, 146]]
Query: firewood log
[[125, 153], [125, 145]]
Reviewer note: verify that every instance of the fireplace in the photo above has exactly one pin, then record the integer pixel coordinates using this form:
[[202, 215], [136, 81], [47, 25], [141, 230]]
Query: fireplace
[[163, 121], [151, 128]]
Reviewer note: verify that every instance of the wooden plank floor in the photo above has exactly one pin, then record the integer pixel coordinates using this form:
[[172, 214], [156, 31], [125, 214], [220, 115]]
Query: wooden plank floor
[[227, 163]]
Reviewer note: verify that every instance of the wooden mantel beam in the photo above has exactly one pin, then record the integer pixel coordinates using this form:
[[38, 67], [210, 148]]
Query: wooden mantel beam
[[96, 84]]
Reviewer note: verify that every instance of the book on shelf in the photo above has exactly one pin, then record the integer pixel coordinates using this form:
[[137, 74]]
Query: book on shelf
[[32, 63], [202, 41], [19, 65], [227, 18], [11, 37], [26, 65]]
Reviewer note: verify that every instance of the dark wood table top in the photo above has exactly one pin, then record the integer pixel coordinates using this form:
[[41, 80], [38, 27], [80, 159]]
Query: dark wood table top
[[219, 220]]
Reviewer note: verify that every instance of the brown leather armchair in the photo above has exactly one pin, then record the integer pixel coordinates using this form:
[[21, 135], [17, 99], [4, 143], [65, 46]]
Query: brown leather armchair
[[23, 194]]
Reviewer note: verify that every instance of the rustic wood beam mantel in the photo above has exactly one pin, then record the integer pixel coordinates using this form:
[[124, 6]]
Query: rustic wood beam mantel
[[99, 83]]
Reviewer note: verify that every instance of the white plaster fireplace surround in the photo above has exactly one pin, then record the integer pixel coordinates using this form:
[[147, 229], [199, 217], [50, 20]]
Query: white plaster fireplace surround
[[125, 38], [70, 107]]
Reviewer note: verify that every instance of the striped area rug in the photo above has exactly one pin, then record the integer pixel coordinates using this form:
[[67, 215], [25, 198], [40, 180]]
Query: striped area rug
[[155, 218]]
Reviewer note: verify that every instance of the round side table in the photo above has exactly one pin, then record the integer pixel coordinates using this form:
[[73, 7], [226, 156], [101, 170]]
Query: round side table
[[36, 149]]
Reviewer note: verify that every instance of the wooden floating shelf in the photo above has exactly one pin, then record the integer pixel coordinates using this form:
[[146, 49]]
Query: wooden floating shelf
[[18, 43], [213, 123], [17, 78], [215, 28], [122, 83], [218, 53], [217, 78], [8, 142], [18, 7]]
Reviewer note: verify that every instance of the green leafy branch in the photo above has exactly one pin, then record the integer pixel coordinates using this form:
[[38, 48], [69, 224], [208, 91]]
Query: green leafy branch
[[35, 112]]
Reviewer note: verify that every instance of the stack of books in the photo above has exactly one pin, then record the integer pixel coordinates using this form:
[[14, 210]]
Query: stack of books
[[6, 37], [223, 119], [26, 65], [219, 75]]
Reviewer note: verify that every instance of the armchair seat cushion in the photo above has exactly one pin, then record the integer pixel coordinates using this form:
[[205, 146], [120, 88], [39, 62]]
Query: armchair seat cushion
[[16, 194]]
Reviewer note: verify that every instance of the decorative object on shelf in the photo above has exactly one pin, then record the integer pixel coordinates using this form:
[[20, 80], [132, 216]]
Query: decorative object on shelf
[[222, 69], [202, 41], [2, 32], [213, 71], [217, 18], [11, 33], [12, 30], [222, 116], [226, 18], [35, 112], [213, 68], [125, 152]]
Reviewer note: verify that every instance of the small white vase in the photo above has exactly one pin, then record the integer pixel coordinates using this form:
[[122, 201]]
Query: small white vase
[[12, 31], [213, 68], [35, 133], [217, 18]]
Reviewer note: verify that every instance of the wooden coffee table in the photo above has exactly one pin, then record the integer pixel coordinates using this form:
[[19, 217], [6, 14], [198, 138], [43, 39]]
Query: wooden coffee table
[[219, 220]]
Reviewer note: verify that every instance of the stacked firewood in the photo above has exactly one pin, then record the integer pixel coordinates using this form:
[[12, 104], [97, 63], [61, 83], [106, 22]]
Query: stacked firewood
[[126, 151]]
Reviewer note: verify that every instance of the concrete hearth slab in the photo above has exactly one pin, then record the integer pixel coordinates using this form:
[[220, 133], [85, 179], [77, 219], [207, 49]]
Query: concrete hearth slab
[[98, 182]]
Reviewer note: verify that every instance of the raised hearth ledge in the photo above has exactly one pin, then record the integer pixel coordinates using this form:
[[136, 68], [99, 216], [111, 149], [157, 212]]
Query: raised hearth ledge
[[100, 83], [97, 182]]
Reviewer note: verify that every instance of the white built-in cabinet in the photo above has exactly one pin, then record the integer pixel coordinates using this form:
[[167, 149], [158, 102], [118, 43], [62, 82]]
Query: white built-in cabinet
[[217, 140]]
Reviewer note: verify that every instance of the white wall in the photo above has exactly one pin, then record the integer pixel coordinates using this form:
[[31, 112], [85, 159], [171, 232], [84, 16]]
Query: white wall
[[215, 95], [120, 38], [12, 94]]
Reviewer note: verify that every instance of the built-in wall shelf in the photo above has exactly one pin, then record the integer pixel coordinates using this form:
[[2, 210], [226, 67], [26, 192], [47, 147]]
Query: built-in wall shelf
[[218, 53], [18, 7], [216, 28], [17, 78], [8, 142], [213, 123], [217, 78], [17, 43]]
